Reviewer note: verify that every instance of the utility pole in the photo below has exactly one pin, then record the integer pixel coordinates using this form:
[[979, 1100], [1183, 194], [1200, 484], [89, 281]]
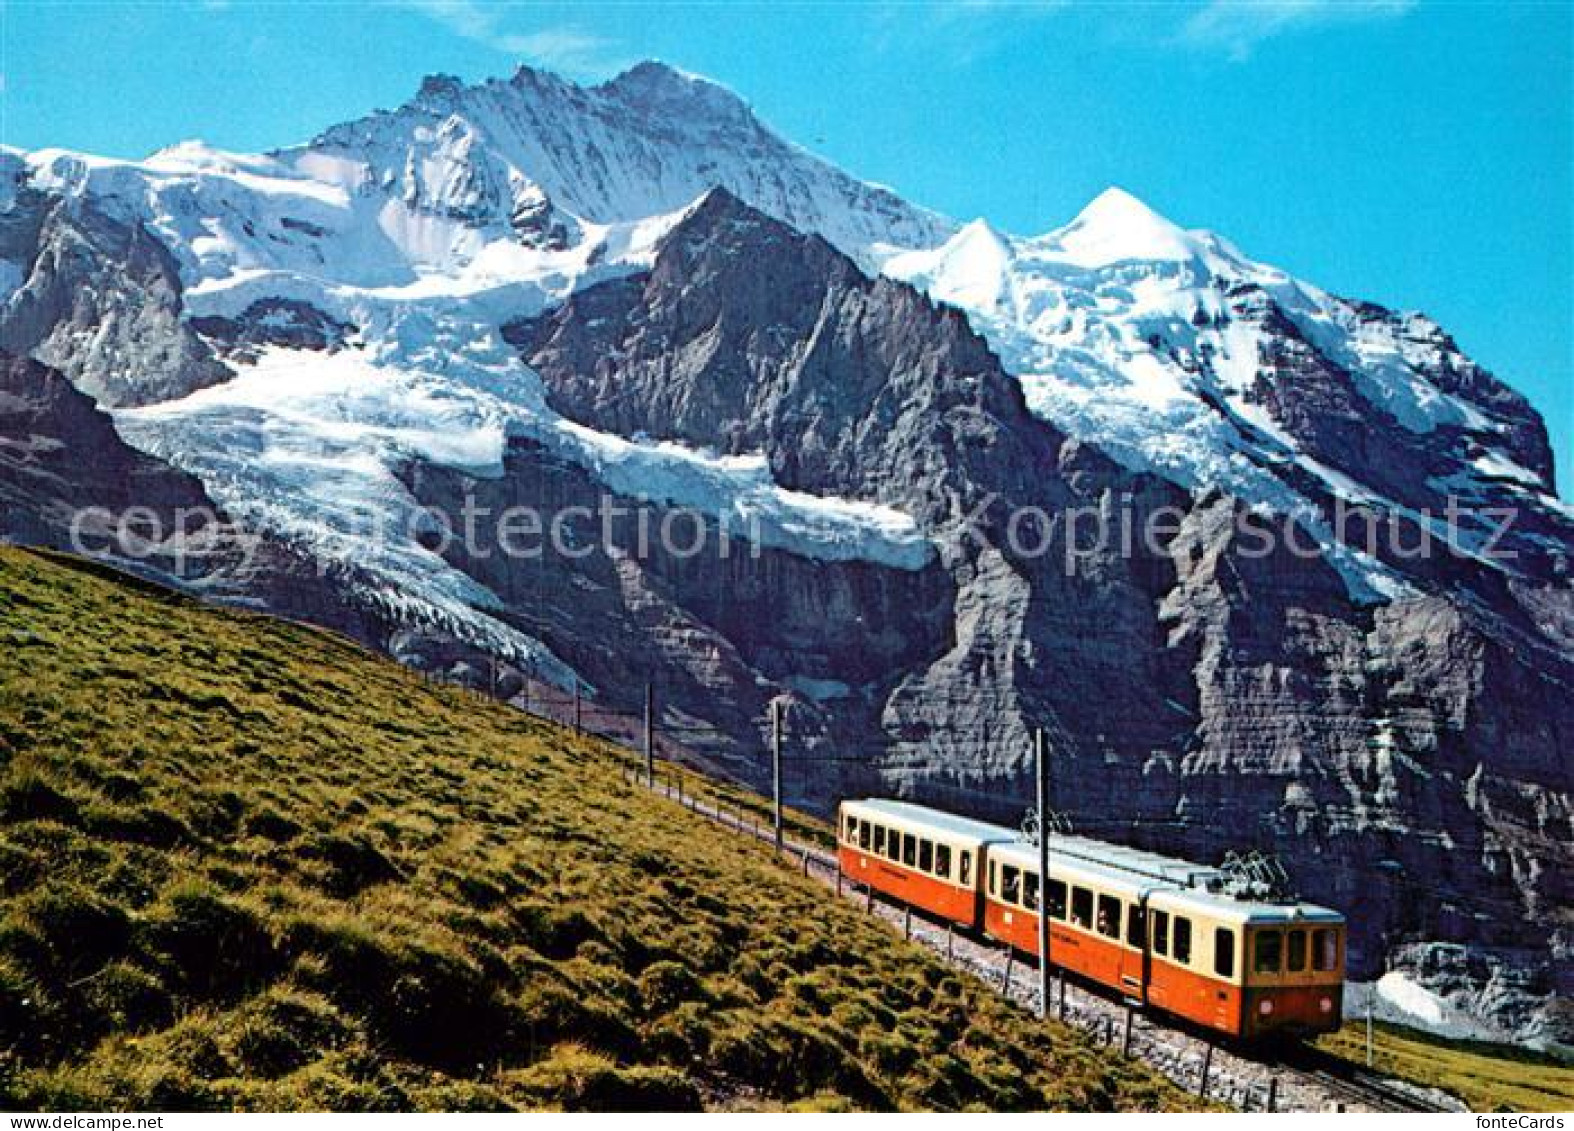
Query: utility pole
[[1042, 759], [650, 734], [1371, 992], [776, 769]]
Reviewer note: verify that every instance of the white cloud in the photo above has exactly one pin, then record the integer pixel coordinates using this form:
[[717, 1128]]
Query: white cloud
[[1238, 26], [565, 49]]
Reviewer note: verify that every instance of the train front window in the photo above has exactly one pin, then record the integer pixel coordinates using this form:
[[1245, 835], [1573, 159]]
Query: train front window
[[1134, 925], [1325, 949], [1267, 952], [1057, 900], [863, 835], [1182, 950], [926, 856], [1224, 952], [943, 860], [1030, 882], [909, 849], [1081, 907], [879, 840], [852, 829], [1161, 932], [1297, 949], [1011, 884], [1109, 916]]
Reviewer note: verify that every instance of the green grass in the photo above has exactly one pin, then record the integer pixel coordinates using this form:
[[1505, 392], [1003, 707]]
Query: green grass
[[1488, 1077], [245, 864]]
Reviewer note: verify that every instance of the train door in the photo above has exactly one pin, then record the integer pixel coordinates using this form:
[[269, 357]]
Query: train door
[[1135, 967]]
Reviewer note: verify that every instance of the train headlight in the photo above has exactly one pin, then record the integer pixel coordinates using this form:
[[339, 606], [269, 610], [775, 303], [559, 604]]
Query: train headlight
[[1266, 1007], [1326, 1005]]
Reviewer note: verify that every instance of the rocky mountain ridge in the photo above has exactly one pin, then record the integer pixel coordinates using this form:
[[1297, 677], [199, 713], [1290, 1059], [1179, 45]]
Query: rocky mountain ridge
[[535, 293]]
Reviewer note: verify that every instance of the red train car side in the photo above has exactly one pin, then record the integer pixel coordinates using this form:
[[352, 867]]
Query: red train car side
[[1160, 931], [928, 859]]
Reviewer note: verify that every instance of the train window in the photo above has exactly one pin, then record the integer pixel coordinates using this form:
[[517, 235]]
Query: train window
[[926, 856], [994, 878], [1134, 926], [1081, 907], [909, 849], [1325, 949], [1011, 884], [1109, 916], [863, 834], [1057, 900], [1181, 951], [1297, 951], [967, 869], [943, 860], [1030, 883], [1266, 952], [1161, 932], [1224, 952], [852, 829], [879, 840]]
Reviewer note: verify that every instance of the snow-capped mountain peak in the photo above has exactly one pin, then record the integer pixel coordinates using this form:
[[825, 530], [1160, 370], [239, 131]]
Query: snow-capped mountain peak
[[471, 204], [1116, 226], [644, 143], [657, 88]]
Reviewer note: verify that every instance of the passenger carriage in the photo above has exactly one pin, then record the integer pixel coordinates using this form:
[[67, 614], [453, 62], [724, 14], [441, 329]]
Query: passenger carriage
[[924, 857], [1161, 931]]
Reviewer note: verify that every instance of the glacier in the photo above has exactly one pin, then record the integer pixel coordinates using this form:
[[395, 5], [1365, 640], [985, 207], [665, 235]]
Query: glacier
[[425, 228]]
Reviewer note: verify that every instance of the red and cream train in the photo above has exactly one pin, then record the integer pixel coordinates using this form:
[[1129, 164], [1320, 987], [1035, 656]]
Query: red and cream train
[[1161, 931]]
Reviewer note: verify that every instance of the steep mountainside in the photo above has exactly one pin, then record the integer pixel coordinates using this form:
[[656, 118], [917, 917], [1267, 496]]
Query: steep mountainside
[[1198, 694], [532, 293], [247, 865]]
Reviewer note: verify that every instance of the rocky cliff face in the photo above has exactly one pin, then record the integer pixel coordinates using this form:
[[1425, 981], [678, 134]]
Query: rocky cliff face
[[1199, 696], [100, 300], [1023, 489], [60, 456]]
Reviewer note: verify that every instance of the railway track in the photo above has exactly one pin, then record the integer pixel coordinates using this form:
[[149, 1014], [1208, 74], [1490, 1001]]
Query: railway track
[[1366, 1090], [1295, 1079]]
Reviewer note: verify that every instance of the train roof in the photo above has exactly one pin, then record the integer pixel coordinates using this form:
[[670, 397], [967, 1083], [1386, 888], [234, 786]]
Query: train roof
[[938, 819], [1135, 863], [1063, 866], [1223, 905]]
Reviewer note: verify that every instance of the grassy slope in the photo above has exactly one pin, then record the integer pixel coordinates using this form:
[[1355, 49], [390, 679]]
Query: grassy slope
[[1487, 1077], [245, 864]]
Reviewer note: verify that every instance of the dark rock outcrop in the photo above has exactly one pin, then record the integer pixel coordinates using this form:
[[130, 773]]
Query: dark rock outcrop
[[101, 301]]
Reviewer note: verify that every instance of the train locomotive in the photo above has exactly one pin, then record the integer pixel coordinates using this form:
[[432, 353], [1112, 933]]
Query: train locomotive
[[1165, 933]]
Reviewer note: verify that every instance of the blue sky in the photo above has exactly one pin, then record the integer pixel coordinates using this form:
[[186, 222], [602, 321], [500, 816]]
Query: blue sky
[[1416, 154]]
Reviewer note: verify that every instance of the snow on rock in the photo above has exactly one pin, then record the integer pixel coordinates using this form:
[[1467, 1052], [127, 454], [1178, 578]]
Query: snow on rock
[[1398, 998], [424, 229], [1114, 227], [471, 205], [307, 444], [1124, 330]]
